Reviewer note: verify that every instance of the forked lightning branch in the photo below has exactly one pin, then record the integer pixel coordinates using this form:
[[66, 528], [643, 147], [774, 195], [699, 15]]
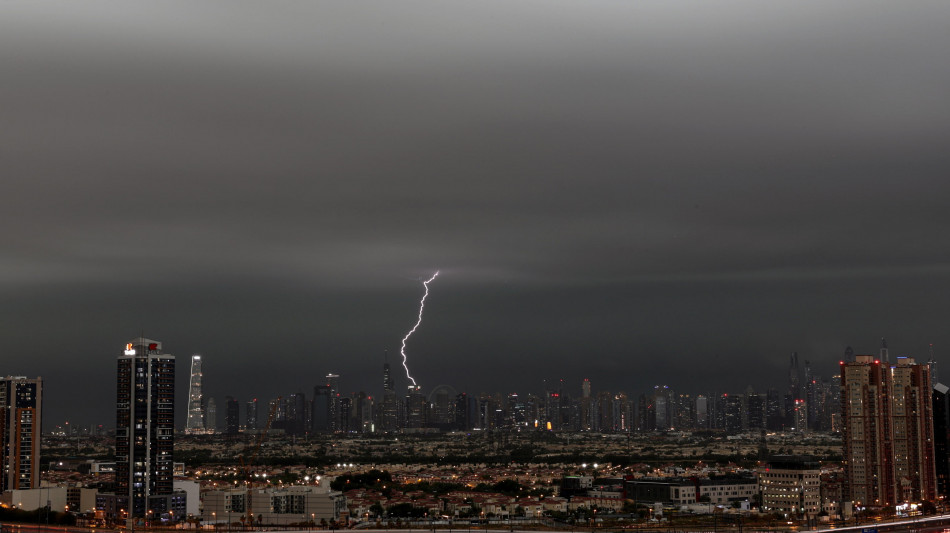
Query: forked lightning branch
[[422, 305]]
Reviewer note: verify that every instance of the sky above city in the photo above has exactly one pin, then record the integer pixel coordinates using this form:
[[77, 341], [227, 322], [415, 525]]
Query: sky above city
[[637, 193]]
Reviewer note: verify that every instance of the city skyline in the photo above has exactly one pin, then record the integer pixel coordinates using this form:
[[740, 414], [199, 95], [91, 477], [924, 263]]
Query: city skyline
[[375, 387], [635, 193]]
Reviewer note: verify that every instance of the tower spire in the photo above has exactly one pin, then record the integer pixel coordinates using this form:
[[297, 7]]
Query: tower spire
[[794, 383], [933, 368]]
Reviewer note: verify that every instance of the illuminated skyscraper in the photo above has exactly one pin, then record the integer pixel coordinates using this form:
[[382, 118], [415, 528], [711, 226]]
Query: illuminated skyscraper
[[754, 411], [145, 424], [333, 382], [320, 418], [912, 425], [621, 412], [362, 418], [298, 418], [603, 415], [442, 407], [794, 383], [345, 406], [774, 410], [941, 406], [732, 413], [388, 385], [211, 416], [888, 431], [415, 407], [388, 408], [21, 402], [586, 407], [250, 415], [702, 412], [663, 407], [800, 415], [196, 409]]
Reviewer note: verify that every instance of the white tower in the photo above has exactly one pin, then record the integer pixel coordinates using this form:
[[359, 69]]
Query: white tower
[[196, 410]]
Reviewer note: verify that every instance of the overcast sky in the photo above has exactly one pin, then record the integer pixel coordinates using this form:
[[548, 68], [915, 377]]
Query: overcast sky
[[634, 192]]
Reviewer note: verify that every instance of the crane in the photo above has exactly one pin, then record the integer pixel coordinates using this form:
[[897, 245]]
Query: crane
[[245, 466]]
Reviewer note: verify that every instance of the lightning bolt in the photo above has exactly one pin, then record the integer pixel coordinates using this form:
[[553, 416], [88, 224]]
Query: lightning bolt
[[422, 305]]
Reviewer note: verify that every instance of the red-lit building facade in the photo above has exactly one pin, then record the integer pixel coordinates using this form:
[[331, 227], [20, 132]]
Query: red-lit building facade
[[888, 432], [21, 403]]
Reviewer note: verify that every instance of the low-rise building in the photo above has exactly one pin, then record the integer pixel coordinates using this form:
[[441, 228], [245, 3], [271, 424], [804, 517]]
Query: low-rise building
[[727, 489], [575, 486], [682, 491], [193, 490], [162, 508], [81, 499], [596, 502], [294, 504], [791, 485], [33, 499]]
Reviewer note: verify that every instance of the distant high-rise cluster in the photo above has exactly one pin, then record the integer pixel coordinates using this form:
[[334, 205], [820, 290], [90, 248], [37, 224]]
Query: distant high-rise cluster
[[805, 402], [809, 403]]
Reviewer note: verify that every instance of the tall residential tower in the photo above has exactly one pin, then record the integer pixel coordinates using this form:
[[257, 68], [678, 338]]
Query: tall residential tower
[[145, 424], [888, 431], [21, 402]]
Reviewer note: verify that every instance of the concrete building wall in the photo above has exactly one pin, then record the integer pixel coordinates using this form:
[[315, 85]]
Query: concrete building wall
[[32, 499], [192, 489]]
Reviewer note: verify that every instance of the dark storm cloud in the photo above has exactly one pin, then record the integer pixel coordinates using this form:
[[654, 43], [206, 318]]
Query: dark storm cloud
[[602, 183]]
